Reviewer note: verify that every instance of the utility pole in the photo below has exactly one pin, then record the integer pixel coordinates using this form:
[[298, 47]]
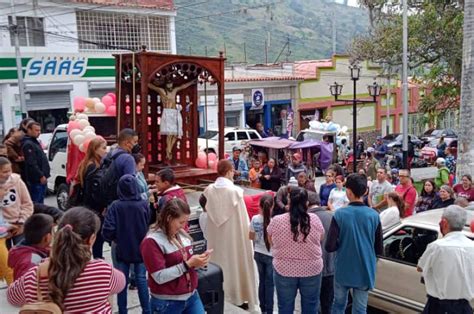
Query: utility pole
[[245, 52], [389, 102], [266, 52], [405, 84], [19, 70]]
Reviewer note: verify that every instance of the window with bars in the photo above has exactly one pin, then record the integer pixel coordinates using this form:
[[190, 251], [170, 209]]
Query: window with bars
[[118, 31], [30, 31]]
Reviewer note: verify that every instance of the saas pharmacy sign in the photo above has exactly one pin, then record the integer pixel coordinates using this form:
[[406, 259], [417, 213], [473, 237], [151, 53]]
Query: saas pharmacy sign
[[58, 68]]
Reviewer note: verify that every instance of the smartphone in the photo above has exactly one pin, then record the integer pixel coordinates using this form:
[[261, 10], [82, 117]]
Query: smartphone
[[208, 252]]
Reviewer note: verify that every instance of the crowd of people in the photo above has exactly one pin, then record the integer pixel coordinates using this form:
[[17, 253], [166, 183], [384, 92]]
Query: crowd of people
[[321, 242]]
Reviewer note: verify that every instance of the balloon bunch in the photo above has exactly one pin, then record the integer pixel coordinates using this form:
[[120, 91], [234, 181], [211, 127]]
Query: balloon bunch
[[80, 131], [105, 105], [201, 160]]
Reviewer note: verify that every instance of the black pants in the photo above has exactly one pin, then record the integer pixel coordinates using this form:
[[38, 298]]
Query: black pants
[[437, 306], [98, 246], [326, 296]]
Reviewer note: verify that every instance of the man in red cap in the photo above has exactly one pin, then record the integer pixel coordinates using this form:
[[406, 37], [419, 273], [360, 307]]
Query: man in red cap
[[295, 167]]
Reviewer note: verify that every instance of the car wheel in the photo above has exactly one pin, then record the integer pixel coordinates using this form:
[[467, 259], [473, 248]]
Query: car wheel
[[62, 196]]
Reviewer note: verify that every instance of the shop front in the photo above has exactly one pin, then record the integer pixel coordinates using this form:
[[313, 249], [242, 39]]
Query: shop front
[[273, 114]]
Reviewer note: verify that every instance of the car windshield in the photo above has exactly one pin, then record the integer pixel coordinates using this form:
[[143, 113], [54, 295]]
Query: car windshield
[[391, 137], [208, 134], [309, 136]]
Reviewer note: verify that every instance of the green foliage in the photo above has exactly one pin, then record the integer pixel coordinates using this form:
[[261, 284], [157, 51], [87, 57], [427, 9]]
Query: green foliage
[[308, 24], [435, 34]]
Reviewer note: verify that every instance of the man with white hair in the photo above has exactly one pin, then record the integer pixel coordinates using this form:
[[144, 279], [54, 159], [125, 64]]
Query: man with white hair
[[447, 266]]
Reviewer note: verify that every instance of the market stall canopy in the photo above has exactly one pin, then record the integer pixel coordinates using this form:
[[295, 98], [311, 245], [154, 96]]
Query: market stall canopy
[[272, 142]]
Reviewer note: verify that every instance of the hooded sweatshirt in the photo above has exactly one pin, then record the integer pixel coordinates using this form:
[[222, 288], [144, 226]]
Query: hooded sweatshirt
[[126, 222], [17, 204], [23, 257]]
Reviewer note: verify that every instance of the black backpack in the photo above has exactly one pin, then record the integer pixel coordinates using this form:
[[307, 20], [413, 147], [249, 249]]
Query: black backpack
[[102, 183]]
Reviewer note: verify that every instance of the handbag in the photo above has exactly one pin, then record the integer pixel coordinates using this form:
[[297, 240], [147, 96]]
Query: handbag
[[40, 306]]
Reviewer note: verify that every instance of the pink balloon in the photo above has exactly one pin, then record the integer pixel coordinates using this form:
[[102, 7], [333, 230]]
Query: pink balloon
[[201, 162], [212, 157], [112, 95], [214, 167], [86, 144], [111, 111], [107, 101], [79, 104], [212, 164], [73, 125]]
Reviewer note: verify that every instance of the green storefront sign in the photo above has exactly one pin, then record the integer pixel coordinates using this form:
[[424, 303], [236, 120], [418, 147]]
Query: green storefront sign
[[58, 68]]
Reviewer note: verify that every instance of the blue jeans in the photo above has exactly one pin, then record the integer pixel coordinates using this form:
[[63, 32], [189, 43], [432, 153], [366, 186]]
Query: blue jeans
[[37, 192], [192, 305], [142, 286], [287, 288], [360, 297], [266, 287]]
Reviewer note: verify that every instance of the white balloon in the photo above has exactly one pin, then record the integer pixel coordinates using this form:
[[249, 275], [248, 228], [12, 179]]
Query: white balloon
[[74, 133], [99, 107], [89, 128], [72, 117], [344, 129], [96, 100], [83, 124], [78, 139], [90, 135], [82, 148], [82, 116]]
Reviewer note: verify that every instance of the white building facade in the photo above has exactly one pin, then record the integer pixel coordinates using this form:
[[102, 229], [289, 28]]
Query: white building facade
[[66, 50]]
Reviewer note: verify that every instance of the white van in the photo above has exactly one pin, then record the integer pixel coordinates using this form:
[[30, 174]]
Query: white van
[[57, 154]]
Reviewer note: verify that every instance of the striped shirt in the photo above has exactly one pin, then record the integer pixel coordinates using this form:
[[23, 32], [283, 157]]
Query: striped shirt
[[89, 294]]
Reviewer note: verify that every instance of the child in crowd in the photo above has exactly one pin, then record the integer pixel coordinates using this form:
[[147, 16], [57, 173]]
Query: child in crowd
[[38, 231], [142, 184], [263, 255], [395, 211], [16, 203], [254, 174], [125, 225], [5, 272], [337, 196], [70, 268]]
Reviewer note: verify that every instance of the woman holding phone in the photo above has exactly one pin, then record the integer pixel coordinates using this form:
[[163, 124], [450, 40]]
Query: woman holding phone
[[168, 258]]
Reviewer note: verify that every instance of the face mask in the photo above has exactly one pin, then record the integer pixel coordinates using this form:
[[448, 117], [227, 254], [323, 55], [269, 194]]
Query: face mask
[[136, 149]]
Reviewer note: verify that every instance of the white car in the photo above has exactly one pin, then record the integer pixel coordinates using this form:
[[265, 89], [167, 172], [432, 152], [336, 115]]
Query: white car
[[209, 140], [398, 285]]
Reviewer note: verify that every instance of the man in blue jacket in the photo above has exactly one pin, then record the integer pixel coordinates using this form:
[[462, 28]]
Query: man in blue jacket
[[126, 225], [355, 235], [241, 170]]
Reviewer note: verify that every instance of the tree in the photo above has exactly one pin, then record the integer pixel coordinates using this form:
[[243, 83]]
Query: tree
[[435, 30], [465, 164]]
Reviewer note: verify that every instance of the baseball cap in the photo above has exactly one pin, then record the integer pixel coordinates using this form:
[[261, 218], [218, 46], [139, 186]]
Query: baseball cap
[[236, 148], [379, 137]]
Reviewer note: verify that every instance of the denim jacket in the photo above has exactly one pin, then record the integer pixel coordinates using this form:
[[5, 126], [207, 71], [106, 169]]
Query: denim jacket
[[242, 167]]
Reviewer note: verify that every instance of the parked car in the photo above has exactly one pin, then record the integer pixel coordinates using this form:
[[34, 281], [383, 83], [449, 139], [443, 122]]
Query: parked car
[[398, 286], [431, 137], [209, 140], [394, 142]]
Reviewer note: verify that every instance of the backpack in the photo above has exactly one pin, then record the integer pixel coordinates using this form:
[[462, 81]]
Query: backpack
[[102, 182], [40, 306]]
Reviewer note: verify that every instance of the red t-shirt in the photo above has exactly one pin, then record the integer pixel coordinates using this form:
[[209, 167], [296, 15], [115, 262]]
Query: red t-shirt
[[408, 194], [467, 194]]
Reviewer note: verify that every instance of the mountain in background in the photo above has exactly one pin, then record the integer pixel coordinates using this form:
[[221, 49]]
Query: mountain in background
[[241, 28]]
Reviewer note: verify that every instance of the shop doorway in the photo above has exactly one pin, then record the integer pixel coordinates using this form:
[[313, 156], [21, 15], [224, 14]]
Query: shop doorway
[[253, 117]]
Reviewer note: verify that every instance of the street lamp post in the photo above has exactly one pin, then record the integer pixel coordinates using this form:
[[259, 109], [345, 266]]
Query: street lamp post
[[336, 90]]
